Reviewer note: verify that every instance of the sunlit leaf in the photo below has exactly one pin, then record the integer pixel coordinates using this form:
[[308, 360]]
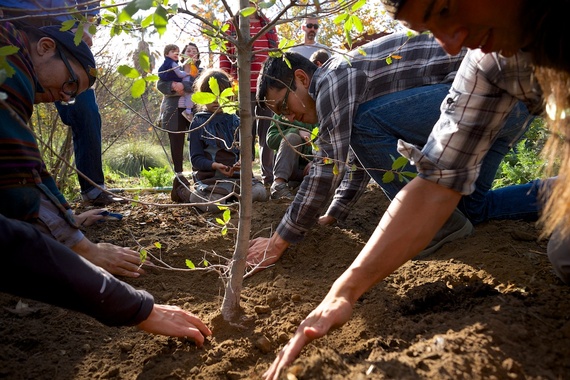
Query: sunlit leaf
[[128, 71], [246, 12], [214, 86], [158, 245], [143, 255], [138, 88], [190, 264], [160, 20], [68, 24], [8, 50], [227, 216], [335, 169], [399, 162], [388, 177], [144, 61], [203, 97]]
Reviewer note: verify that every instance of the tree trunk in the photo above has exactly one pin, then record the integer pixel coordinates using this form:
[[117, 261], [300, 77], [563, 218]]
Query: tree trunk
[[231, 309]]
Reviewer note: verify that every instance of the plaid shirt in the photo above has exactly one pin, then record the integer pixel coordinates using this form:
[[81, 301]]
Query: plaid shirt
[[484, 92], [338, 88]]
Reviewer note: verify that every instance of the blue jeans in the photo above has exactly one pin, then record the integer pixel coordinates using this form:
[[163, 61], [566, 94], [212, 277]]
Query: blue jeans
[[410, 115], [85, 121]]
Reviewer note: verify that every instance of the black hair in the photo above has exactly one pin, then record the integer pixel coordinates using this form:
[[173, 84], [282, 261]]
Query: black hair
[[277, 73]]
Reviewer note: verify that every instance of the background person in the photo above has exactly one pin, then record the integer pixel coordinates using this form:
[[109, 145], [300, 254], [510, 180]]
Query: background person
[[213, 150], [310, 45], [491, 78], [83, 115], [260, 51], [67, 280], [48, 67], [171, 117], [371, 125]]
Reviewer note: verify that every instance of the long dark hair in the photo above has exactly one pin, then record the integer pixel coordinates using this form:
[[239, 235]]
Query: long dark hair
[[197, 62]]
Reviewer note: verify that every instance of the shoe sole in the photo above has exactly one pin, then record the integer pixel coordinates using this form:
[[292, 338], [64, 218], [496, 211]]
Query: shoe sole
[[464, 231]]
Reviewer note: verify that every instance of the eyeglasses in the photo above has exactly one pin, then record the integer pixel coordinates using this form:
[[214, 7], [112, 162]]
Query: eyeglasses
[[72, 85], [315, 26], [284, 108]]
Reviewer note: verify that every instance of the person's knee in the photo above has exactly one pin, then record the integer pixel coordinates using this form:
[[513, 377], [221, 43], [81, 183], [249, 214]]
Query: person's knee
[[558, 251], [258, 192]]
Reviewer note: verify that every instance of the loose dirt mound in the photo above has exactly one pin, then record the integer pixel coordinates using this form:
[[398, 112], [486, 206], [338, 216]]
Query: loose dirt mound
[[486, 307]]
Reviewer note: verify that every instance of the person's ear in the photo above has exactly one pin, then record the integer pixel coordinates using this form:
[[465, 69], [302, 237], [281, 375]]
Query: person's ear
[[302, 77], [45, 46]]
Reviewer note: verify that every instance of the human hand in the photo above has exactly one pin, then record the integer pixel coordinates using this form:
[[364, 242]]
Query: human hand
[[332, 312], [88, 218], [224, 169], [264, 252], [174, 321], [116, 260], [178, 88], [327, 220], [305, 135]]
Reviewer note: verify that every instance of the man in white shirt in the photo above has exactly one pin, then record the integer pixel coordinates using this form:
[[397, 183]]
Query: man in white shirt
[[311, 27]]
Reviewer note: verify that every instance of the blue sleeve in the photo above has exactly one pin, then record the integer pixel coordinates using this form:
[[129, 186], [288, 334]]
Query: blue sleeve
[[197, 154]]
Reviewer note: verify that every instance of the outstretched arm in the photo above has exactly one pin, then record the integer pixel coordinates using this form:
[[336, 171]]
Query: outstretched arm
[[406, 228]]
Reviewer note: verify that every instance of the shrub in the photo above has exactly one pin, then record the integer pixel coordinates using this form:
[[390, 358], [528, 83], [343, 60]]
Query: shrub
[[524, 162], [132, 157], [158, 177]]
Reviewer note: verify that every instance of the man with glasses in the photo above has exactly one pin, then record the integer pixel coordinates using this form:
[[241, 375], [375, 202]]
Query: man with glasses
[[310, 27], [83, 114], [48, 67], [365, 103]]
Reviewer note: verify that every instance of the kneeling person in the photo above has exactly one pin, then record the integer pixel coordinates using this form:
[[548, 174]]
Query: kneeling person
[[213, 152]]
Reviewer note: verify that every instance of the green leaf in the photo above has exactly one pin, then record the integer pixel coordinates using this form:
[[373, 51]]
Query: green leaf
[[224, 230], [227, 93], [147, 21], [220, 221], [190, 264], [246, 12], [206, 263], [214, 86], [8, 50], [389, 60], [160, 20], [138, 88], [227, 216], [399, 162], [335, 169], [69, 24], [158, 245], [127, 12], [144, 61], [144, 4], [78, 36], [151, 78], [143, 255], [203, 97], [388, 177], [340, 18], [409, 174], [357, 24], [128, 71], [359, 4]]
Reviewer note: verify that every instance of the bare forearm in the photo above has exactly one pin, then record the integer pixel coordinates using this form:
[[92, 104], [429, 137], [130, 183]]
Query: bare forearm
[[409, 224]]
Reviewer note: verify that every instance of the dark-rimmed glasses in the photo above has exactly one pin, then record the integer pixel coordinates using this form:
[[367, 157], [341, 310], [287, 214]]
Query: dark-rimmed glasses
[[71, 87], [284, 108], [311, 26]]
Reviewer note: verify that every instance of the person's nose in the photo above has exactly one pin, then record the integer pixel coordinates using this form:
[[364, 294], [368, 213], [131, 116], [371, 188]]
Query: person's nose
[[451, 39]]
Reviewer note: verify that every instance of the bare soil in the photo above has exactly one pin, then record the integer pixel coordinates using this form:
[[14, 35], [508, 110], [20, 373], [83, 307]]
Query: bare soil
[[485, 307]]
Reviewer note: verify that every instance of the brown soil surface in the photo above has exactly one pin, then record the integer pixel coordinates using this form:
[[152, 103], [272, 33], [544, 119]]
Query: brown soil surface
[[486, 307]]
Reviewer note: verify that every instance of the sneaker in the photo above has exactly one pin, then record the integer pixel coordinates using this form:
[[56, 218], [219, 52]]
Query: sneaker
[[103, 199], [281, 191], [456, 227]]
